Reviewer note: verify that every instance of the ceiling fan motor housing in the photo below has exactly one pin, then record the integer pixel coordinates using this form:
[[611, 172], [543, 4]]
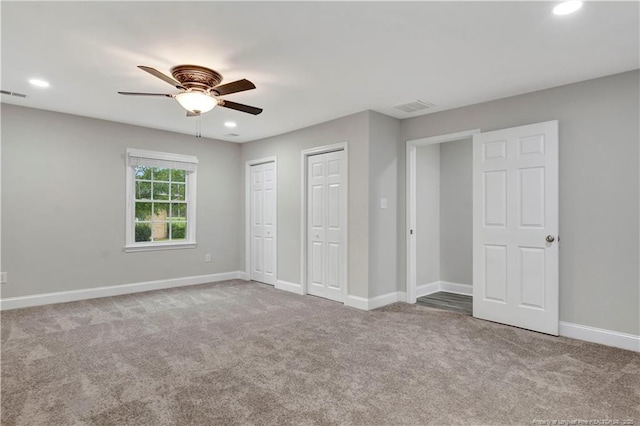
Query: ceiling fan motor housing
[[195, 77]]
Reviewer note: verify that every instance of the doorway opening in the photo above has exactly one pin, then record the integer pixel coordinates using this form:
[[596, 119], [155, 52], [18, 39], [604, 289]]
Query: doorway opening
[[424, 167], [444, 218]]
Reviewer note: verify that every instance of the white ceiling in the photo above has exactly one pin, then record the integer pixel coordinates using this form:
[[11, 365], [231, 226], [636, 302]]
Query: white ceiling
[[311, 61]]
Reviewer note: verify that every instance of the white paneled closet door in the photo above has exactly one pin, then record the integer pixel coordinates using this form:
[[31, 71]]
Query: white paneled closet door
[[326, 224], [263, 224]]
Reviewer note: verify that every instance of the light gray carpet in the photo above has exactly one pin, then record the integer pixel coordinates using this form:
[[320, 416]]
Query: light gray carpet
[[238, 353]]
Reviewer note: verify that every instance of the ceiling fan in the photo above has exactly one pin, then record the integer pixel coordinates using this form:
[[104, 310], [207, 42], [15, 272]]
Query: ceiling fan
[[200, 89]]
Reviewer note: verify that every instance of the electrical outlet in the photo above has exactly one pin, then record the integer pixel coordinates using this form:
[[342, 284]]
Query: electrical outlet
[[207, 257], [3, 277]]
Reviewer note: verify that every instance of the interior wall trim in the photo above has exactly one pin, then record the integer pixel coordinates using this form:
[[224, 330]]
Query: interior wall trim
[[289, 286], [115, 290], [599, 335], [426, 289], [448, 286], [456, 288], [367, 304], [357, 302]]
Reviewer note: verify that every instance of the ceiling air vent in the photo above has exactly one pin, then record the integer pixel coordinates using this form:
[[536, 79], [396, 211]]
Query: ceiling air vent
[[20, 95], [232, 135], [414, 106]]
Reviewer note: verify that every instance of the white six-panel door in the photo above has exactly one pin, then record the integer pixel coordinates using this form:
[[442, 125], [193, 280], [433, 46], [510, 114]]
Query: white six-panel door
[[515, 229], [326, 201], [263, 229]]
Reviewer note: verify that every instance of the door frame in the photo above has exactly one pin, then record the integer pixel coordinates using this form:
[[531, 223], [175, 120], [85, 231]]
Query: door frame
[[247, 212], [411, 195], [304, 154]]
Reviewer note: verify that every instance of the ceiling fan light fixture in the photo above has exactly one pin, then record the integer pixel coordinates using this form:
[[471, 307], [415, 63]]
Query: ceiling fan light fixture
[[196, 101], [200, 88]]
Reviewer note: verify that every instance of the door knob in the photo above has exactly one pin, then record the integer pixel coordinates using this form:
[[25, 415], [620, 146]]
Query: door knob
[[550, 238]]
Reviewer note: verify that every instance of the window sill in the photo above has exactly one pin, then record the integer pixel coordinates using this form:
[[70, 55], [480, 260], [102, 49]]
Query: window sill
[[156, 246]]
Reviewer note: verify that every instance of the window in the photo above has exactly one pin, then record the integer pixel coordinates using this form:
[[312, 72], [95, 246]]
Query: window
[[161, 200]]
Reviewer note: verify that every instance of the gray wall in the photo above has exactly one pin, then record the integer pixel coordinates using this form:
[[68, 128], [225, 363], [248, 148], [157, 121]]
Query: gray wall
[[428, 214], [354, 130], [63, 204], [599, 188], [384, 134], [456, 212]]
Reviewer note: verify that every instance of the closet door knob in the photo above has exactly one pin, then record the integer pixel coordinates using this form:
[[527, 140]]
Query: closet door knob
[[550, 238]]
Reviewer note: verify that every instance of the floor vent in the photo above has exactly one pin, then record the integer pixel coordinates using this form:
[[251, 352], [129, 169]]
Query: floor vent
[[414, 106], [20, 95]]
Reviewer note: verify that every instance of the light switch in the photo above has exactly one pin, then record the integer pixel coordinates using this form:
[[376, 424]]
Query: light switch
[[384, 203]]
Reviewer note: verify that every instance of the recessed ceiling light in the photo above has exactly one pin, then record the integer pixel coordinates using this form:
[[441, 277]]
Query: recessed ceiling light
[[230, 124], [567, 7], [39, 83]]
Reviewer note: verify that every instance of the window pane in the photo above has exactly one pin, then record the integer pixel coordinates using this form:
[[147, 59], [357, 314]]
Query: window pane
[[160, 174], [143, 190], [160, 204], [177, 191], [178, 211], [177, 175], [143, 172], [178, 230], [160, 231], [160, 211], [143, 232], [160, 191], [143, 212]]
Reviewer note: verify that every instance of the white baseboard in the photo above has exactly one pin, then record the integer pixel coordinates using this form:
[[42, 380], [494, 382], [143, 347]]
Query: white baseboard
[[116, 290], [375, 302], [290, 287], [456, 288], [599, 335], [448, 286], [357, 302], [387, 299], [426, 289]]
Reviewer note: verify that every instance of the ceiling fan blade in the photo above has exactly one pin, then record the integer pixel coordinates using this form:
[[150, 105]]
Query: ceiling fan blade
[[240, 107], [163, 77], [193, 114], [146, 94], [234, 87]]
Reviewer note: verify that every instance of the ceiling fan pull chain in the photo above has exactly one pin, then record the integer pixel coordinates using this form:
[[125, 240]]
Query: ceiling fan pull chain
[[198, 128]]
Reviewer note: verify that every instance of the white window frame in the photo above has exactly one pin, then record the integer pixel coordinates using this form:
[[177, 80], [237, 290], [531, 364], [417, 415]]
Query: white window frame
[[190, 192]]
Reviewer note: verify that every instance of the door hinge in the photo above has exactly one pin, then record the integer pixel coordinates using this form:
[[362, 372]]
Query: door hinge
[[411, 232]]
